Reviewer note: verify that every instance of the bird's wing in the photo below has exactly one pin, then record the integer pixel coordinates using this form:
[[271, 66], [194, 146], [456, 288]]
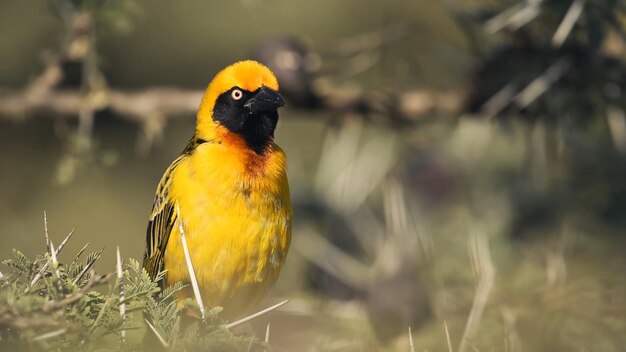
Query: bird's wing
[[164, 215], [162, 220]]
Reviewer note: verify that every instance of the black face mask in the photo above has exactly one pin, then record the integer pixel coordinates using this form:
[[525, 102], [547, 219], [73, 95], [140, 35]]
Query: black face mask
[[253, 115]]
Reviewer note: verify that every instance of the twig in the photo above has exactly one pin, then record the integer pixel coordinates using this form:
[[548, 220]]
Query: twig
[[154, 330], [445, 328], [190, 269], [400, 242], [480, 254], [93, 281], [251, 343], [494, 105], [529, 94], [136, 106], [512, 341], [569, 20], [501, 20], [541, 84], [514, 17], [92, 80], [256, 315]]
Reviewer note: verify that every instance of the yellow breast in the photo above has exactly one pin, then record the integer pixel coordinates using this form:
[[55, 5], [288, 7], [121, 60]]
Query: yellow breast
[[236, 213]]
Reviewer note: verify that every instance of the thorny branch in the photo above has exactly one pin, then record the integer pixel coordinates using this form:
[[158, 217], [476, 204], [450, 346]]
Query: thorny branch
[[94, 280], [8, 317]]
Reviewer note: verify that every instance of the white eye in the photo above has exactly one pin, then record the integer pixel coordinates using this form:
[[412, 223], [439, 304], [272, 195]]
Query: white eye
[[236, 94]]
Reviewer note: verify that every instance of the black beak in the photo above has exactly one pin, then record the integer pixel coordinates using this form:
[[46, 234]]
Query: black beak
[[266, 99]]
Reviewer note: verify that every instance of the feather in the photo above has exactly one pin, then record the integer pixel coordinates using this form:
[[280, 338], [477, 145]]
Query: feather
[[163, 217]]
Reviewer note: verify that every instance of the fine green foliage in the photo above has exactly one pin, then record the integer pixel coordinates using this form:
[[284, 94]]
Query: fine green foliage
[[50, 306]]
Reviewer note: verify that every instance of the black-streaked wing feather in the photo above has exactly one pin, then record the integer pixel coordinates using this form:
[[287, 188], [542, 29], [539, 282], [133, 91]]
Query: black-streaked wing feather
[[162, 220], [163, 216]]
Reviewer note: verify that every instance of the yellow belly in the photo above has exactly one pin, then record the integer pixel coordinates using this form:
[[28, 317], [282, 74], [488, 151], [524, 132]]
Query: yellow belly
[[237, 224]]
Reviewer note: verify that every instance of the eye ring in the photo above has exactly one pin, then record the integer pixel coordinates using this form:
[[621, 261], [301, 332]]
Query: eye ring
[[236, 94]]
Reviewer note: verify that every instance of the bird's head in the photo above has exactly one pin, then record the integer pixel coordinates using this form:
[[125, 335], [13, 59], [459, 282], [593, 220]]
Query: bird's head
[[241, 103]]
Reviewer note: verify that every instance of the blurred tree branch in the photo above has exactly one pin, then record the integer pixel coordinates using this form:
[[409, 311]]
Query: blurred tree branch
[[137, 106], [73, 85], [42, 98]]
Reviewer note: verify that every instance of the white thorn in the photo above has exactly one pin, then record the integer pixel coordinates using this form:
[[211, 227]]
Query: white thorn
[[154, 330], [45, 266], [120, 277], [53, 255], [45, 227], [255, 315], [64, 242], [192, 272], [50, 335]]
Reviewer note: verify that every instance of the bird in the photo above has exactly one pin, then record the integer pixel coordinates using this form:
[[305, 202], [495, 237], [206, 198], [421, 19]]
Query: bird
[[229, 192]]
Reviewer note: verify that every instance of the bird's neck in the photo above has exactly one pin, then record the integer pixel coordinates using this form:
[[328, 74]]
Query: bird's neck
[[253, 162], [256, 138]]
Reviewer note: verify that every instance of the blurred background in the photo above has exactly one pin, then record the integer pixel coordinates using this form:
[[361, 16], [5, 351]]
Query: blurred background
[[457, 167]]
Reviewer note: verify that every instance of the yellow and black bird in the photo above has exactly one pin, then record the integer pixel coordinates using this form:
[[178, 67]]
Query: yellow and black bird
[[229, 191]]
